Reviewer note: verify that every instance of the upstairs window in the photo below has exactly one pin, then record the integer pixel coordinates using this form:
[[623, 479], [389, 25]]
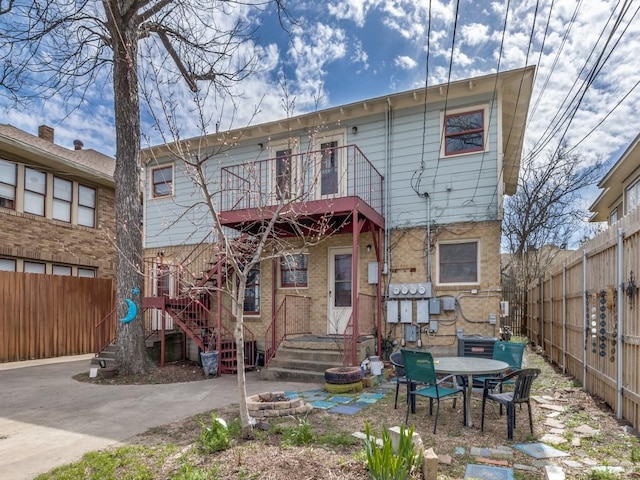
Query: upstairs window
[[35, 189], [62, 198], [86, 206], [293, 271], [458, 262], [162, 181], [252, 292], [8, 181], [632, 196], [464, 132]]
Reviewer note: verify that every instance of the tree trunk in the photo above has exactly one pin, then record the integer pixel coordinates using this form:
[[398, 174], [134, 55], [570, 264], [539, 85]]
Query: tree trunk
[[131, 350], [247, 428]]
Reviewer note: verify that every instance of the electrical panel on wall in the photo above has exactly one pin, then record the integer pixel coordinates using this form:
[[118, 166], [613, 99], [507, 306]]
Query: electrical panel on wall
[[392, 311], [434, 306], [410, 290], [448, 304], [422, 311], [406, 311]]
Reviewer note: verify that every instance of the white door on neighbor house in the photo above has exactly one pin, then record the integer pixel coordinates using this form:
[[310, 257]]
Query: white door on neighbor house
[[340, 295], [331, 167], [163, 285]]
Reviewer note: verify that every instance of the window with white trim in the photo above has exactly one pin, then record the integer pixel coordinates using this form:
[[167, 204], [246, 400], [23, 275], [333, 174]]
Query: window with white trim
[[35, 190], [8, 183], [458, 262], [293, 271], [34, 267], [162, 179], [62, 199], [464, 132], [252, 292], [632, 196], [86, 206], [86, 272], [7, 265]]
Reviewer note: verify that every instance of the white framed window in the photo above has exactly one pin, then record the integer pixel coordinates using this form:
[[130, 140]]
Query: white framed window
[[34, 267], [613, 216], [293, 271], [7, 265], [631, 196], [35, 190], [86, 272], [64, 270], [86, 206], [162, 181], [8, 183], [252, 292], [464, 131], [62, 199], [458, 262]]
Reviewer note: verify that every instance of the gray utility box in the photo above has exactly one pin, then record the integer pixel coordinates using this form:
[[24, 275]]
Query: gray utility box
[[471, 346]]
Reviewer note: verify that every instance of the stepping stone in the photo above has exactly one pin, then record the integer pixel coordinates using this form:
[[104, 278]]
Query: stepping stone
[[526, 468], [323, 404], [557, 431], [445, 459], [344, 409], [572, 464], [488, 473], [586, 431], [340, 399], [608, 469], [540, 450], [460, 450], [491, 461], [553, 472], [553, 423], [553, 415], [576, 442], [556, 408], [589, 462], [480, 452], [553, 439]]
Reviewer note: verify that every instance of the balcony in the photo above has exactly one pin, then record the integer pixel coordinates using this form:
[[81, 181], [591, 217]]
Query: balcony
[[323, 187]]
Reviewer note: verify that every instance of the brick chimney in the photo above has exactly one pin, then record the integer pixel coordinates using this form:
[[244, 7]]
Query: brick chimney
[[77, 144], [45, 132]]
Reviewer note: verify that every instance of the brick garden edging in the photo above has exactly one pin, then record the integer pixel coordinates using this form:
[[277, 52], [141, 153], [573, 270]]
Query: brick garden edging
[[260, 406]]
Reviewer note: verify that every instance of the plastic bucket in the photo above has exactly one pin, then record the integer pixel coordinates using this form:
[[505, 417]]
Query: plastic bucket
[[376, 368]]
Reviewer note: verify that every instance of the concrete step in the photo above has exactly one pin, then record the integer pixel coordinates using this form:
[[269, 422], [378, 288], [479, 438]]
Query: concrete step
[[300, 354], [110, 361], [307, 365], [287, 374]]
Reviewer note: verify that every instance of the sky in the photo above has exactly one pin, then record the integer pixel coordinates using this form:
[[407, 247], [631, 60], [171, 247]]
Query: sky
[[341, 51]]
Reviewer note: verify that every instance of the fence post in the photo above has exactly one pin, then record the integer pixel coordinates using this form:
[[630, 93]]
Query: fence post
[[620, 319]]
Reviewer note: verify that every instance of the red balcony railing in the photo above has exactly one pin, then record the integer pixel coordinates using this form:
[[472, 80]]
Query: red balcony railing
[[317, 175]]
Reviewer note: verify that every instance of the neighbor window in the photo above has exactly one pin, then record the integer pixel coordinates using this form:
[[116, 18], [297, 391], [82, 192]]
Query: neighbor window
[[293, 271], [35, 188], [86, 272], [62, 197], [86, 206], [632, 196], [32, 267], [8, 180], [252, 292], [464, 132], [283, 174], [7, 265], [458, 262], [613, 217], [61, 270], [162, 181]]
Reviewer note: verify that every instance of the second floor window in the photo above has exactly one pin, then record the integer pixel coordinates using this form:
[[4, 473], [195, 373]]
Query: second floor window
[[35, 189], [293, 271], [8, 180], [252, 292], [62, 198], [86, 206], [458, 262], [162, 181], [464, 132], [632, 196]]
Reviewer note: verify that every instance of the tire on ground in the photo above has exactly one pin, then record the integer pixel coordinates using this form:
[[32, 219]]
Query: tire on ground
[[344, 387], [342, 375]]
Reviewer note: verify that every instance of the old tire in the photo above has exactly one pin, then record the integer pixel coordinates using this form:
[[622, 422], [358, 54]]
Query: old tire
[[344, 387], [342, 375]]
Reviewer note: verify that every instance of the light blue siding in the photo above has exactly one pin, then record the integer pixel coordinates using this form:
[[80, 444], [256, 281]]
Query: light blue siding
[[460, 188]]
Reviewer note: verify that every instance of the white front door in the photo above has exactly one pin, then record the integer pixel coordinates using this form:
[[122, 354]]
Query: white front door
[[340, 295], [163, 285]]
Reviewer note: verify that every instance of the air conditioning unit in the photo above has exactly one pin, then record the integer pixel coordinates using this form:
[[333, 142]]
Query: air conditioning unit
[[504, 308], [471, 346]]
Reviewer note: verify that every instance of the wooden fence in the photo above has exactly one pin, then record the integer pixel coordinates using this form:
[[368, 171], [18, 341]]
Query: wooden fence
[[585, 314], [44, 316]]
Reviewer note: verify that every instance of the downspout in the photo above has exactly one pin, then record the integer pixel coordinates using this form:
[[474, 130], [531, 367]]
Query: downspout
[[585, 319], [387, 183], [619, 336]]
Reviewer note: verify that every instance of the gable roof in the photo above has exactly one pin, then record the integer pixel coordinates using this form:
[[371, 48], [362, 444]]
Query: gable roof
[[513, 91], [614, 181], [87, 164]]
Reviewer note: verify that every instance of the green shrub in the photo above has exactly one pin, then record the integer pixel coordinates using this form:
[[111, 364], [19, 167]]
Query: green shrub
[[214, 437], [383, 464], [302, 434]]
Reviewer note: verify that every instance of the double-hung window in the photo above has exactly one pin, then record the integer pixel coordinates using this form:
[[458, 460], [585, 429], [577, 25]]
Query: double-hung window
[[62, 199], [8, 182], [252, 292], [464, 132], [86, 206], [632, 196], [293, 271], [162, 181], [35, 189], [458, 262]]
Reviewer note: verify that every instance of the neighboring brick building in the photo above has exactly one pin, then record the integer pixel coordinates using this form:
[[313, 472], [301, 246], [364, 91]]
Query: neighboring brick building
[[57, 206]]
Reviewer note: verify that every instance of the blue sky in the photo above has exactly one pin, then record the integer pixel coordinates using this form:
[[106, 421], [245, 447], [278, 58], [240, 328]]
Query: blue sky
[[341, 51]]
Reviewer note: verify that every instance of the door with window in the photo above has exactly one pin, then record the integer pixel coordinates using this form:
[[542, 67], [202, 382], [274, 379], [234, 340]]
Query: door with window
[[163, 286], [340, 295], [331, 165]]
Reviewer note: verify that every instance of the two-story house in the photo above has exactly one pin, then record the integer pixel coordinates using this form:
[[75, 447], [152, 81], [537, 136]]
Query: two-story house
[[407, 190], [57, 220], [620, 187]]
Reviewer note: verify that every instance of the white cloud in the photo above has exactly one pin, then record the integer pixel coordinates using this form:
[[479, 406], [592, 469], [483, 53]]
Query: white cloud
[[405, 62], [475, 34]]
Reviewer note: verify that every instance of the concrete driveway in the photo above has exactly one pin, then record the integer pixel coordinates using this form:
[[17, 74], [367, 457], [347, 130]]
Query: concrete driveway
[[47, 419]]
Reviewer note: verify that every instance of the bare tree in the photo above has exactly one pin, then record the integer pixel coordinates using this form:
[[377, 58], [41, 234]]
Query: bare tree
[[63, 48], [546, 212]]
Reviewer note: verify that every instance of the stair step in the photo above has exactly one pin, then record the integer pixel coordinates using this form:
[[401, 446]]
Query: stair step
[[293, 375], [304, 365], [108, 360]]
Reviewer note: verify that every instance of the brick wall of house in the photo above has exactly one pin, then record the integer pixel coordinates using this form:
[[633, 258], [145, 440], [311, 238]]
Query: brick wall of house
[[40, 239]]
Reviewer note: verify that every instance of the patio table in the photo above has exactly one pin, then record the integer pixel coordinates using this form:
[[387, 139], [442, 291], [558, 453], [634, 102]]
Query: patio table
[[469, 366]]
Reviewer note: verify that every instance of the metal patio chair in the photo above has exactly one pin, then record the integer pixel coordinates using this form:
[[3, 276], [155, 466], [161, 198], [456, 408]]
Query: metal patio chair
[[396, 360]]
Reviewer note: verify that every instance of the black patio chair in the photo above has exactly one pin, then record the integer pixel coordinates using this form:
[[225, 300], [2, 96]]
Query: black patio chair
[[419, 369], [520, 394], [396, 360]]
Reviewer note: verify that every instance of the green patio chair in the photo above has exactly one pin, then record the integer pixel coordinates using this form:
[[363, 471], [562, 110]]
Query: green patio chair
[[419, 369], [509, 352]]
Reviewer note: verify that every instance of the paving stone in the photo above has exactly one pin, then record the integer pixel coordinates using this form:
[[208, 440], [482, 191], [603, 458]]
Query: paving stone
[[480, 452], [553, 439], [576, 442], [572, 464], [548, 406], [446, 459], [553, 472], [586, 431], [526, 468], [589, 462], [607, 469], [491, 461], [554, 415], [541, 463], [557, 431], [553, 423], [460, 450], [501, 452]]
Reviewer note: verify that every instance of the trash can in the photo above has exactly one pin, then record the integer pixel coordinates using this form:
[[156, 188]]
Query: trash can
[[209, 362]]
